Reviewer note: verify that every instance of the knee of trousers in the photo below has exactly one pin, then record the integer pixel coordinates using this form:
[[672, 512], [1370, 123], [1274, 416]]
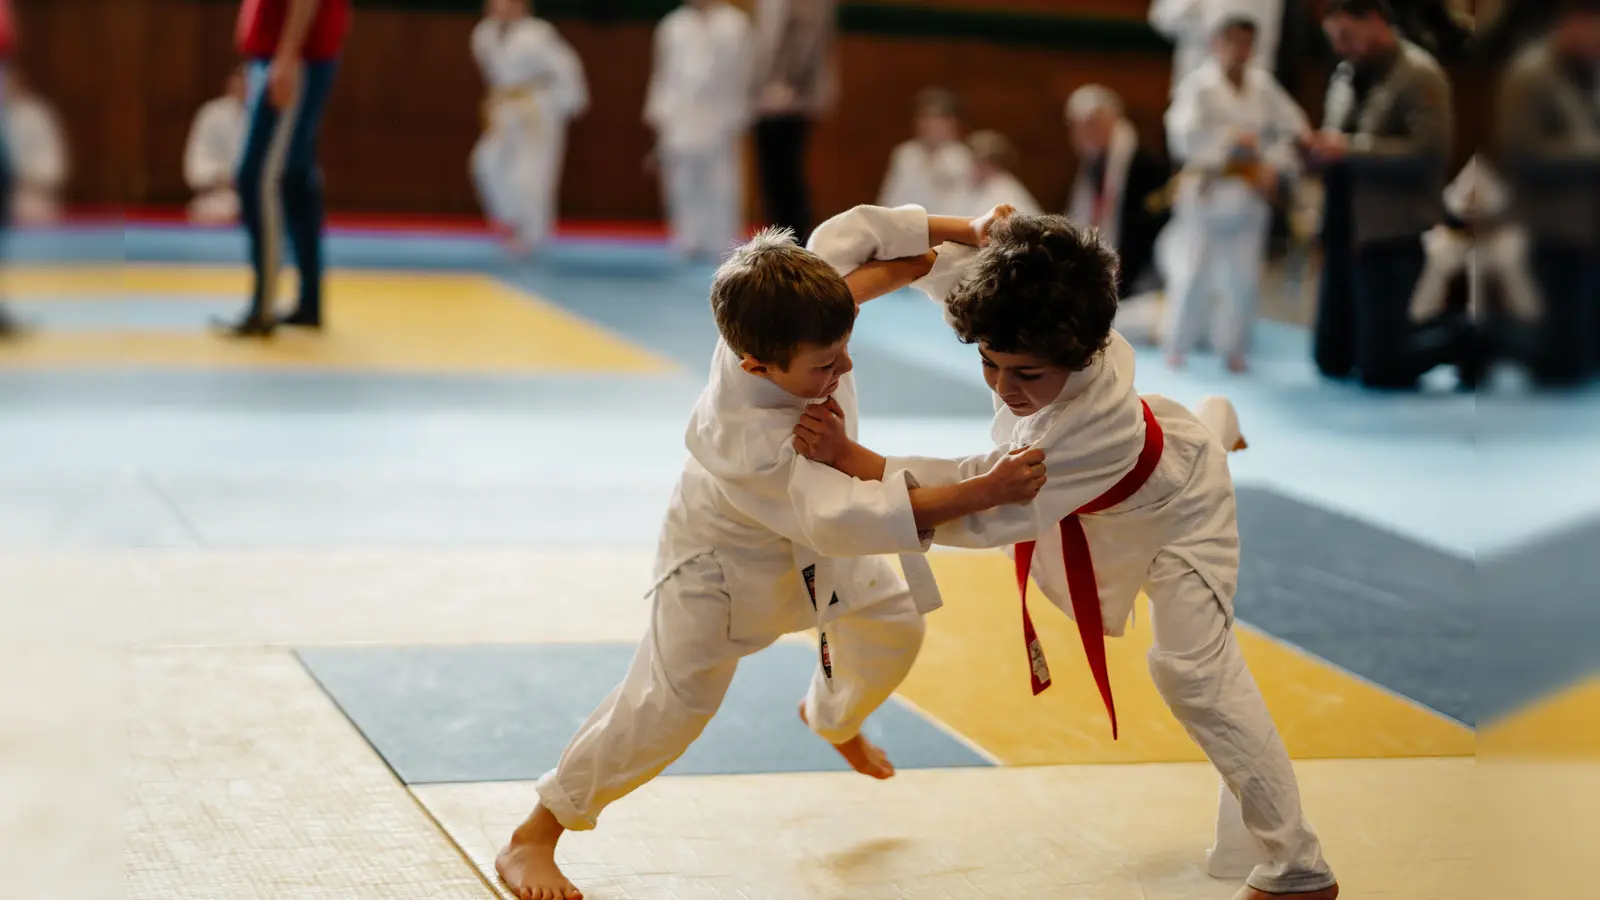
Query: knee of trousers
[[1197, 682]]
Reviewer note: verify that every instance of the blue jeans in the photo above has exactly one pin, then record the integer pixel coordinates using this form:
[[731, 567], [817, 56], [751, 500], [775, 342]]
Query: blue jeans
[[280, 186]]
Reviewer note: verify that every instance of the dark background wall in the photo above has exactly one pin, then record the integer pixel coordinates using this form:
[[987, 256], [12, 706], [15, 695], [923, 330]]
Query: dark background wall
[[405, 111]]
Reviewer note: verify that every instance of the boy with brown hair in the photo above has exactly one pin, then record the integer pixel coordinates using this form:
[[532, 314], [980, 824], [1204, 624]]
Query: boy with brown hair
[[1139, 496], [760, 542]]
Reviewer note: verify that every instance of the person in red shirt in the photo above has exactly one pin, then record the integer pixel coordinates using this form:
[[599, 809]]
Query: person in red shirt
[[8, 325], [293, 49]]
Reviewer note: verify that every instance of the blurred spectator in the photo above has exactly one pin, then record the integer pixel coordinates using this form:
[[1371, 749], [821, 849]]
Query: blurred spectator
[[1187, 23], [1549, 135], [1116, 178], [215, 142], [1384, 151], [38, 153], [293, 47], [1435, 26], [934, 170], [536, 85], [795, 82], [993, 183], [698, 104], [8, 325], [1477, 262], [1236, 129]]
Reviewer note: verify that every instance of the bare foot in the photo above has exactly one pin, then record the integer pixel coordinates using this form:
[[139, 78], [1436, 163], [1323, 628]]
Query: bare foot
[[1238, 365], [528, 864], [1250, 893], [1175, 361], [862, 755]]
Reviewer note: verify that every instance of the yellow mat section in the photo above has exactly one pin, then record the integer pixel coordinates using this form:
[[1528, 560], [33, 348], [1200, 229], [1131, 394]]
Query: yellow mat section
[[972, 676], [430, 322], [1564, 726]]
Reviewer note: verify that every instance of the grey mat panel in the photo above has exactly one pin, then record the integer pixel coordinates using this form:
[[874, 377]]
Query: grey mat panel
[[504, 713], [1383, 607]]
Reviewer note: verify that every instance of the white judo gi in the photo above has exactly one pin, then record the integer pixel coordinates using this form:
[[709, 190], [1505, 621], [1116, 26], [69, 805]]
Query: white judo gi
[[1218, 239], [937, 178], [536, 85], [698, 105], [1189, 23], [753, 533], [215, 142], [1177, 538], [38, 158], [1498, 252]]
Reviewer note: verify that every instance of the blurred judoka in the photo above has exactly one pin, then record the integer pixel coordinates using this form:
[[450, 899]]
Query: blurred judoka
[[536, 86], [933, 170], [698, 105], [1187, 23], [1236, 131], [38, 154], [993, 182], [215, 142]]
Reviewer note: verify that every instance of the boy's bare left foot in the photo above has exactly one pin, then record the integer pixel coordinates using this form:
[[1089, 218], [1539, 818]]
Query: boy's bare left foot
[[1238, 365], [1250, 893], [528, 864], [862, 755]]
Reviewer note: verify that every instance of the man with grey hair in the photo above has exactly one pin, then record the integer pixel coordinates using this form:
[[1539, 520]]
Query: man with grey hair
[[1116, 176]]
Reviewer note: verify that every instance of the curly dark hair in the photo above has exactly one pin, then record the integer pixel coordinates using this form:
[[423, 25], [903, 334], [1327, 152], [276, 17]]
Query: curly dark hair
[[1043, 287]]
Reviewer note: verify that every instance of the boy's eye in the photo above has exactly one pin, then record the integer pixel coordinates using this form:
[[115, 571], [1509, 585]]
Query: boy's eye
[[1024, 376], [987, 364]]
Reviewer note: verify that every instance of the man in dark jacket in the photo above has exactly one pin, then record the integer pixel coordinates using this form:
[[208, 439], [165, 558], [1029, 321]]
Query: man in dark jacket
[[1117, 177]]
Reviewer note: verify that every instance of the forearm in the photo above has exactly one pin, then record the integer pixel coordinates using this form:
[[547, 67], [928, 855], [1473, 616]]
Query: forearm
[[297, 25], [937, 505], [951, 230], [860, 463], [881, 277]]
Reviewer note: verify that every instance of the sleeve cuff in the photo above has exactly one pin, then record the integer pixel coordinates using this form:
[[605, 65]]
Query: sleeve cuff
[[949, 265], [924, 537]]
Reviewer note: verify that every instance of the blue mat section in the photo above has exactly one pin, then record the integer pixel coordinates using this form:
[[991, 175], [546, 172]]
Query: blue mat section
[[1388, 609], [504, 713], [1539, 610]]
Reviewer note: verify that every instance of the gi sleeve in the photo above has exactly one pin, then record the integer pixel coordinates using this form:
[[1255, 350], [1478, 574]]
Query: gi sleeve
[[856, 237]]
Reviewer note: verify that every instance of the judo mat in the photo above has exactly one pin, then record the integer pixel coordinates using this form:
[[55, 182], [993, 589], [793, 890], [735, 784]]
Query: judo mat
[[477, 451], [504, 713]]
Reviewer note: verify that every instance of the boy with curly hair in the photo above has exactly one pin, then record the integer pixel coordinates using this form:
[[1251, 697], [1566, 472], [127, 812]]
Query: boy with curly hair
[[1138, 496]]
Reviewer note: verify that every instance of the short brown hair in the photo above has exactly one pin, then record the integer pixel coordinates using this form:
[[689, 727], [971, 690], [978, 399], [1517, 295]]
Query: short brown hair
[[772, 295], [1043, 287]]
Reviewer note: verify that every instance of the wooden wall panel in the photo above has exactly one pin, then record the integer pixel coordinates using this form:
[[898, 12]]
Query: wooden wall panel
[[404, 114]]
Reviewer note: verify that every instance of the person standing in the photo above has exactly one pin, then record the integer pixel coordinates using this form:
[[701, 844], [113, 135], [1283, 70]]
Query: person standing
[[215, 141], [293, 47], [698, 106], [1187, 23], [795, 82], [536, 86], [1549, 133], [1117, 174], [1384, 151], [8, 325]]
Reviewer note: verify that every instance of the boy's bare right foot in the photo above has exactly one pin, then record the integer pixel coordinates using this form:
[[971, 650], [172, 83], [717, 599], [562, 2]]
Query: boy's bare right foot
[[862, 755], [1250, 893], [528, 864]]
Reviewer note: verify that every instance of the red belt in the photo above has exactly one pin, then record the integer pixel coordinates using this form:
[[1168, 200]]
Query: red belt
[[1081, 582]]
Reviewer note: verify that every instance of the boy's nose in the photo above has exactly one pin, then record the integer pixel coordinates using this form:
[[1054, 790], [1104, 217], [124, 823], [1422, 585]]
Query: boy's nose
[[846, 364]]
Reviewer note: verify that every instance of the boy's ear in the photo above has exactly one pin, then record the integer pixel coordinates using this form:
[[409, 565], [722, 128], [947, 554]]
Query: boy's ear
[[754, 366]]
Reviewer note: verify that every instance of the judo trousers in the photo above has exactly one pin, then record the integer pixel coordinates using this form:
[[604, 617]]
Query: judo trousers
[[703, 202], [681, 672], [516, 167], [1220, 261], [280, 187], [1201, 674]]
